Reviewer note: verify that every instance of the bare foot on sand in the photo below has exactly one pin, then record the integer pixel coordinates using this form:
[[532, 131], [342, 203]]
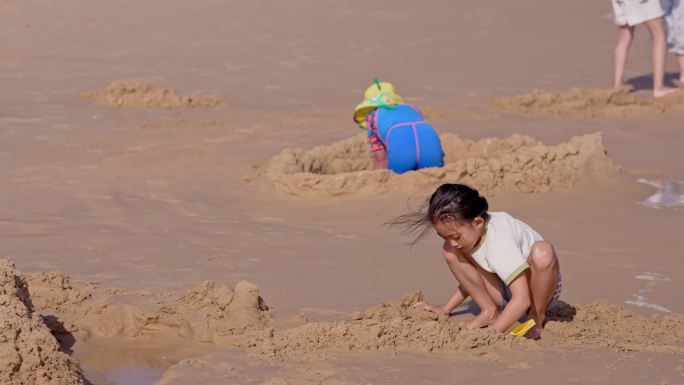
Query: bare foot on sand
[[431, 308], [659, 93], [484, 319]]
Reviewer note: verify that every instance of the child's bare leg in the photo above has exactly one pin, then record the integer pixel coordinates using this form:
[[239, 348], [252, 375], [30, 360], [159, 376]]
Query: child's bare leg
[[625, 36], [472, 282], [680, 59], [544, 269], [659, 40]]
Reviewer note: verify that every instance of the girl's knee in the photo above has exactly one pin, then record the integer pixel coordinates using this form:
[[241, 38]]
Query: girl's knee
[[542, 256]]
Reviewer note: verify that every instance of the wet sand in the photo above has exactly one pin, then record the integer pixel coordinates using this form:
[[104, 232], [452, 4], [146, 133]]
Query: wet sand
[[151, 200]]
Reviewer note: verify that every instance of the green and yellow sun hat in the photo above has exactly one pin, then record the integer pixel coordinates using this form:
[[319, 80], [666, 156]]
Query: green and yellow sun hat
[[380, 94]]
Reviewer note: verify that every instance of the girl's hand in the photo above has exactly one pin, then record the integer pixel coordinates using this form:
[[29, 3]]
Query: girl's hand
[[431, 308]]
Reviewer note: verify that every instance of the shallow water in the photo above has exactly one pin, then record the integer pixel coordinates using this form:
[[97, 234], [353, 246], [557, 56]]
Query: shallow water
[[120, 361], [134, 375], [670, 193]]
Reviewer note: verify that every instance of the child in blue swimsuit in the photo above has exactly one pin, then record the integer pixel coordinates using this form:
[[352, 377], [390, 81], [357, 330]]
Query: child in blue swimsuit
[[400, 139]]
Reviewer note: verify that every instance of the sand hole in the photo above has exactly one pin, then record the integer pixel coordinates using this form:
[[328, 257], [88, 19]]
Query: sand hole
[[518, 163]]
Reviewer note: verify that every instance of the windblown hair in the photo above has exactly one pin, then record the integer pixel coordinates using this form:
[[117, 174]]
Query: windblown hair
[[450, 202]]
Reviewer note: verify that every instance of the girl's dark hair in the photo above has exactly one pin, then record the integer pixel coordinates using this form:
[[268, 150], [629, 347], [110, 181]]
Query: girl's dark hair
[[450, 202]]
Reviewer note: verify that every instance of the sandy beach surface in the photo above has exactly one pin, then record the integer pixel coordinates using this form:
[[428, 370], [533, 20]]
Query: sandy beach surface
[[186, 198]]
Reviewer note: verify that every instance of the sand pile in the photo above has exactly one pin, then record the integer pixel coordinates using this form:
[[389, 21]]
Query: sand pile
[[519, 163], [391, 325], [601, 324], [29, 354], [396, 325], [589, 103], [144, 94], [206, 313]]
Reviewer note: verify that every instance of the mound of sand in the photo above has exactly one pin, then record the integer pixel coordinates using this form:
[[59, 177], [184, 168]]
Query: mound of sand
[[396, 325], [589, 103], [29, 354], [206, 313], [519, 163], [391, 325], [144, 94]]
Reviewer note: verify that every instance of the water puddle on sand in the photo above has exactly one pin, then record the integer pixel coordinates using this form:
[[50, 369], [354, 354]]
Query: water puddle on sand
[[134, 375], [670, 193], [121, 361]]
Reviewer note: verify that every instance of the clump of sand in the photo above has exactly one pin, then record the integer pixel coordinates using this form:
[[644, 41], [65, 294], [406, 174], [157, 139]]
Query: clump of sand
[[144, 94], [588, 103], [205, 313], [519, 163], [29, 354]]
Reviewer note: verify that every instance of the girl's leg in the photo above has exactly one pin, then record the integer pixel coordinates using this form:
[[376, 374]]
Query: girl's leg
[[625, 36], [478, 286], [659, 40], [680, 59], [543, 278]]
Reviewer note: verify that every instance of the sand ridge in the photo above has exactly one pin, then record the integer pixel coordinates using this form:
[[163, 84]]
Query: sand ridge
[[29, 354], [239, 318], [145, 94], [518, 163], [584, 103], [205, 313], [397, 325]]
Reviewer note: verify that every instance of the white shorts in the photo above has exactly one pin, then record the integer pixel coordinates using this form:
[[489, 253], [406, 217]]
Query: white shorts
[[675, 26], [633, 12]]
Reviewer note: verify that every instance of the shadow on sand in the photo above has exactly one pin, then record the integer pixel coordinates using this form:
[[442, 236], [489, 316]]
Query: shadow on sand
[[645, 82]]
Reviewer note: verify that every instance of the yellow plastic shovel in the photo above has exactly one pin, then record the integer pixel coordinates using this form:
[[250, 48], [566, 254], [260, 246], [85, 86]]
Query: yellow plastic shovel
[[523, 328]]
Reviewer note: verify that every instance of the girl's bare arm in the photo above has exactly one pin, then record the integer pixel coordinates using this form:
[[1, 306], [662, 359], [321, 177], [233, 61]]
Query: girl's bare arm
[[517, 306]]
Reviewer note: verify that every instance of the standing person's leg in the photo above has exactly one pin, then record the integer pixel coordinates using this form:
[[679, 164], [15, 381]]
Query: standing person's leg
[[543, 278], [680, 59], [625, 36], [466, 272], [659, 40]]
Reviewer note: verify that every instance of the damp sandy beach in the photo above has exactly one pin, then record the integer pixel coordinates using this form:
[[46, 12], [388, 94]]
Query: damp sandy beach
[[185, 198]]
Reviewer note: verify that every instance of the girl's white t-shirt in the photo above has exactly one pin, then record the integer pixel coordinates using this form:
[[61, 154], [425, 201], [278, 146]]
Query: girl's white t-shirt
[[505, 246]]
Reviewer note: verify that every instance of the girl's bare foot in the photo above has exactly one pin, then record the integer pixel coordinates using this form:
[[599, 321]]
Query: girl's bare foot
[[431, 308], [659, 93], [485, 318]]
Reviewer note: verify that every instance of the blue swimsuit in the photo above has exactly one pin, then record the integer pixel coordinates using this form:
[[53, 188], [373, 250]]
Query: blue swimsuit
[[410, 142]]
